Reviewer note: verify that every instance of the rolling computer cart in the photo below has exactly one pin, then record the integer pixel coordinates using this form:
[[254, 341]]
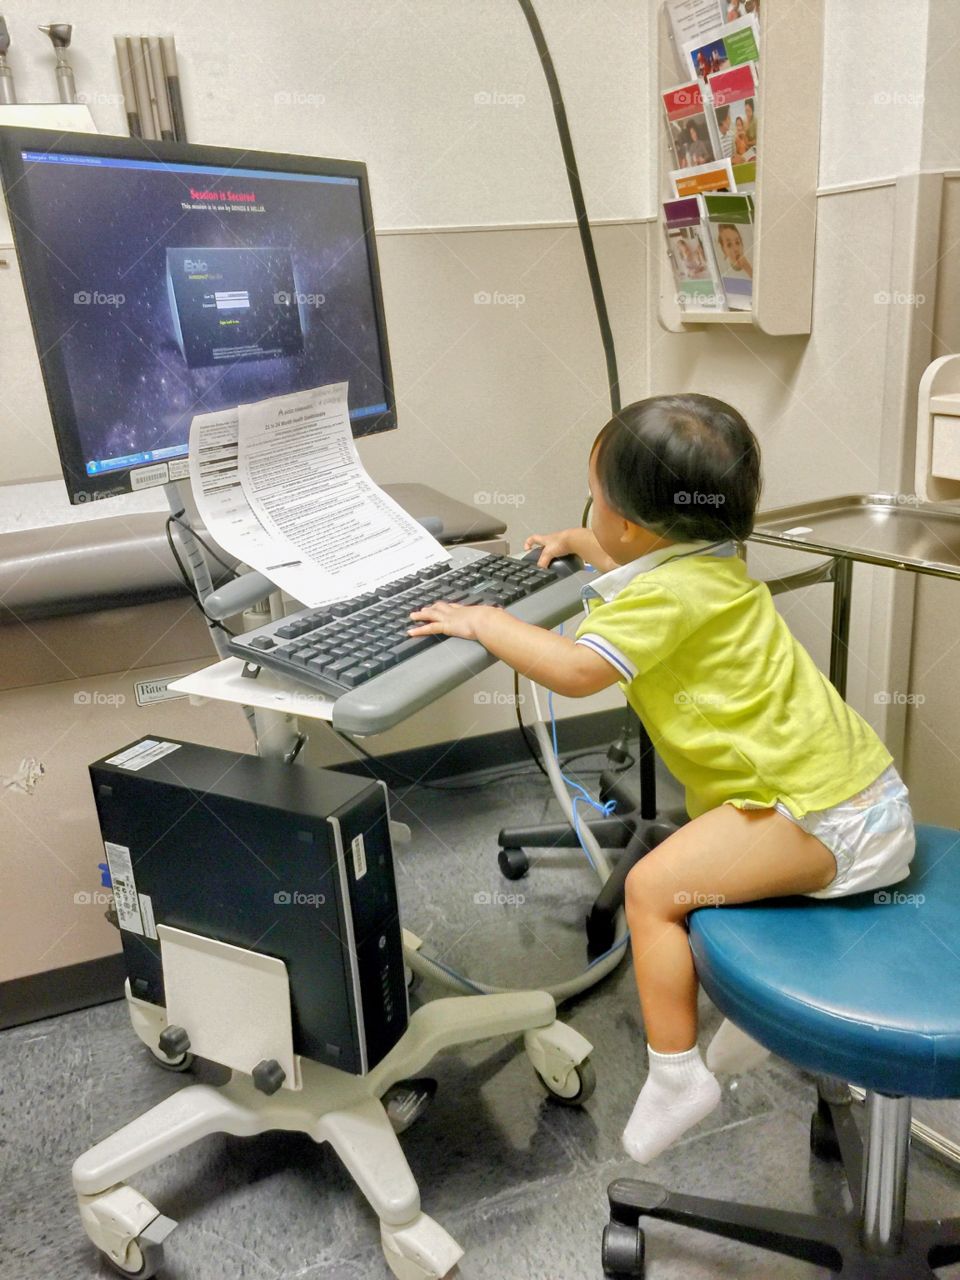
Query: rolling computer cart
[[328, 1104]]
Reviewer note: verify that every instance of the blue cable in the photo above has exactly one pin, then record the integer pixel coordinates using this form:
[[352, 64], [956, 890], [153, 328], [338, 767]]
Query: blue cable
[[583, 796]]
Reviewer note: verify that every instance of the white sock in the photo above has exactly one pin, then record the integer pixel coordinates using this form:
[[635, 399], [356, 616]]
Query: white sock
[[679, 1092], [732, 1050]]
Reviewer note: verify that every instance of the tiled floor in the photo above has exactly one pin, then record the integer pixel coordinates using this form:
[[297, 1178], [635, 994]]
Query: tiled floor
[[518, 1180]]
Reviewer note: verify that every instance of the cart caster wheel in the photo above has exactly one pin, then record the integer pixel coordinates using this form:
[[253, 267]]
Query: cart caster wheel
[[151, 1260], [623, 1252], [145, 1252], [514, 863], [412, 979], [421, 1250], [576, 1089], [823, 1138], [183, 1062]]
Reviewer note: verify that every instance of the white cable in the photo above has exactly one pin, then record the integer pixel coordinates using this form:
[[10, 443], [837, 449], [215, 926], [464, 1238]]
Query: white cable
[[595, 972]]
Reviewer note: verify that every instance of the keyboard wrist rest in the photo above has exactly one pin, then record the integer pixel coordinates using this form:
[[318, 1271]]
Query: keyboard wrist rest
[[384, 701]]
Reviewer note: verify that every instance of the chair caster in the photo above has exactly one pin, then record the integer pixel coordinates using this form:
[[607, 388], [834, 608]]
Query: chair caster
[[561, 1058], [514, 863], [623, 1251], [127, 1231], [421, 1250], [823, 1138]]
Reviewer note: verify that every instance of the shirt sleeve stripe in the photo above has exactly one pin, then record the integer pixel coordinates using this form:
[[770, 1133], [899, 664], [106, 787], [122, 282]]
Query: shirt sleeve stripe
[[611, 653]]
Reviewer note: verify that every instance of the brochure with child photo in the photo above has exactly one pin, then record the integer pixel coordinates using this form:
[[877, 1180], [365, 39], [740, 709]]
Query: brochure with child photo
[[734, 104], [688, 126], [730, 221], [692, 262]]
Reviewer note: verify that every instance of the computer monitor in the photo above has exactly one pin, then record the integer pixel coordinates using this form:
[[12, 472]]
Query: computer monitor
[[166, 280]]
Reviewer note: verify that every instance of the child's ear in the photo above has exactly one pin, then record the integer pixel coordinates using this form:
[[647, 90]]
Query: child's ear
[[631, 533]]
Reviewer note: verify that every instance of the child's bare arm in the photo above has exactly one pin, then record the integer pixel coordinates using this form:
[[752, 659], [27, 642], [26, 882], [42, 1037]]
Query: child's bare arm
[[553, 661]]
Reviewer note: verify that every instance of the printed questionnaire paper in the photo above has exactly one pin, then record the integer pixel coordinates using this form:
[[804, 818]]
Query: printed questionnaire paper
[[223, 507], [305, 482], [280, 485]]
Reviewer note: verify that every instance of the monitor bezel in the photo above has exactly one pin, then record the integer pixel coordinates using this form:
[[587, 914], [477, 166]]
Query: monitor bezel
[[14, 140]]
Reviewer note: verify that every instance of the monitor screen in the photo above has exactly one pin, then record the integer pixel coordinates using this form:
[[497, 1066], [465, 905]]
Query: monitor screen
[[166, 280]]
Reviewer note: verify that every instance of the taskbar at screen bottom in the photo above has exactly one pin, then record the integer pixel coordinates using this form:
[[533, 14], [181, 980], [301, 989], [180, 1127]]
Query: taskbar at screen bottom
[[104, 466]]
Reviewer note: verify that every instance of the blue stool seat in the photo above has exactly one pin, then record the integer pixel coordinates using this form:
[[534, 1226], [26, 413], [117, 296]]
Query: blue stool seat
[[860, 990], [865, 988]]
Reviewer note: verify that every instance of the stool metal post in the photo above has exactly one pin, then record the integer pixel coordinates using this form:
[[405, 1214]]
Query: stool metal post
[[885, 1172]]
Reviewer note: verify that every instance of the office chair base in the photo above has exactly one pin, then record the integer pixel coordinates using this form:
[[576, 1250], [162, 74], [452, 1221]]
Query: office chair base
[[831, 1243], [874, 1243], [331, 1106]]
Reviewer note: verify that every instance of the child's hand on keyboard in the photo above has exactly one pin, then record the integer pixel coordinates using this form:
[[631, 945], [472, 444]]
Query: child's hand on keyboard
[[445, 619], [552, 545]]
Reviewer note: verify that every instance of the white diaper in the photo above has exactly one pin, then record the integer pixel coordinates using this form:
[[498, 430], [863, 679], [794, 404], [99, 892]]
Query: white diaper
[[870, 835]]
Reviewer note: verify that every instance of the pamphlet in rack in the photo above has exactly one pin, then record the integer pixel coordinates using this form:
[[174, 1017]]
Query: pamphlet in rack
[[695, 271]]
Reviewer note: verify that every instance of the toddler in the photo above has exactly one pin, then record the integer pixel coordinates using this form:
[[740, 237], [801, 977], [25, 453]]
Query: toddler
[[788, 790]]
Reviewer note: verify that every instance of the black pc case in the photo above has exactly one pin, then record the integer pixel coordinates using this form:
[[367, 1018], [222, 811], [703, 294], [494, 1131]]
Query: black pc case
[[285, 860]]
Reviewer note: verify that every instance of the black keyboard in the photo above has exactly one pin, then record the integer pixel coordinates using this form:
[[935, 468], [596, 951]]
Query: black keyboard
[[341, 646]]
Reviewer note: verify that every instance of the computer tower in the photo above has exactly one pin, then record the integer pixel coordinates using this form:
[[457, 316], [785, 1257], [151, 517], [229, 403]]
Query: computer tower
[[281, 859]]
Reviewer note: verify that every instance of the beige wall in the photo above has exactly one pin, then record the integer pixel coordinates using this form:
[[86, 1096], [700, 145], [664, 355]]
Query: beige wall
[[84, 707]]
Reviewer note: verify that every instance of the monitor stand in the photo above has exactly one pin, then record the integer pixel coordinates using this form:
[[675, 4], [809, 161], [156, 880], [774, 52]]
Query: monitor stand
[[329, 1105]]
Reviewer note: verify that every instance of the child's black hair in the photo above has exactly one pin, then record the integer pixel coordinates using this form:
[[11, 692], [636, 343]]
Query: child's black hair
[[686, 467]]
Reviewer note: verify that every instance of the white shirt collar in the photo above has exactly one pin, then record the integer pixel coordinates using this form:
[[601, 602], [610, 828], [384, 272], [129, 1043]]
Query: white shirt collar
[[608, 585]]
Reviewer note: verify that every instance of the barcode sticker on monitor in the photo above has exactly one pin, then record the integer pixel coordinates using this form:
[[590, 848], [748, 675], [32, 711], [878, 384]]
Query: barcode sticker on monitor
[[124, 887], [149, 477], [359, 857]]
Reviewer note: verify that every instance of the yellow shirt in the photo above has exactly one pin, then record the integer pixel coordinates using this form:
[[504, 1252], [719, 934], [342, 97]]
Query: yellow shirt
[[737, 709]]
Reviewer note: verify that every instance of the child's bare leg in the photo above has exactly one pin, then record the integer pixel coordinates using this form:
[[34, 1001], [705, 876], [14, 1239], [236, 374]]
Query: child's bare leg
[[723, 857]]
